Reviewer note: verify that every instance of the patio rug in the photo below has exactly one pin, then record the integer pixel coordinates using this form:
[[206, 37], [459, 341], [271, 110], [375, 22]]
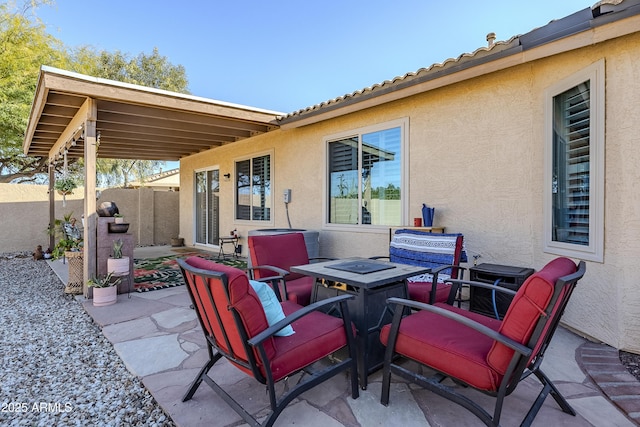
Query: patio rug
[[150, 274]]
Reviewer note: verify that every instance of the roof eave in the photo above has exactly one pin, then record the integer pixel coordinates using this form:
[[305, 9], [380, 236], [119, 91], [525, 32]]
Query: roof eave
[[575, 31]]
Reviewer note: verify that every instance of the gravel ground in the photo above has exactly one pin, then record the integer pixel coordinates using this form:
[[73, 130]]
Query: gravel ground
[[57, 367], [631, 361]]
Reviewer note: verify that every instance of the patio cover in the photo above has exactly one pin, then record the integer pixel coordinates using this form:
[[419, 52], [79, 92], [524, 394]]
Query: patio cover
[[134, 122], [91, 117]]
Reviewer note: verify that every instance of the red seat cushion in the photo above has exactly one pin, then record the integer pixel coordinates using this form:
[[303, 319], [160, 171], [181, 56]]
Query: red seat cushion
[[283, 251], [316, 335], [529, 303], [461, 352], [242, 297], [490, 322], [447, 347], [299, 290], [421, 291]]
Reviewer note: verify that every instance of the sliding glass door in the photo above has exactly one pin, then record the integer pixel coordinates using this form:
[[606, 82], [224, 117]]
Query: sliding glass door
[[207, 207]]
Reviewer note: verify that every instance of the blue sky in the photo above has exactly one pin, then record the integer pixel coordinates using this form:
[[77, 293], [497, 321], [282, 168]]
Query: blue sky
[[287, 55]]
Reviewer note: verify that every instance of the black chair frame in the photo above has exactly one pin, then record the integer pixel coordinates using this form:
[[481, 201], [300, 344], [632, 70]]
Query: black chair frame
[[311, 377], [520, 367]]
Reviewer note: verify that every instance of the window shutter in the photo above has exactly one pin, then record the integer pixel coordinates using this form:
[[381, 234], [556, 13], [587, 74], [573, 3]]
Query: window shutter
[[261, 188], [572, 166]]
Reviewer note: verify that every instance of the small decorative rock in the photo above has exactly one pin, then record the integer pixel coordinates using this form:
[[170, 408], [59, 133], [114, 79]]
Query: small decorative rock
[[58, 368]]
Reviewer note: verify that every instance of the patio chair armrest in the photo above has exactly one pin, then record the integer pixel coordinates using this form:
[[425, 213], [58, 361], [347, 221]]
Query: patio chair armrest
[[274, 281], [434, 282], [482, 285], [278, 270], [415, 305], [437, 270], [271, 330]]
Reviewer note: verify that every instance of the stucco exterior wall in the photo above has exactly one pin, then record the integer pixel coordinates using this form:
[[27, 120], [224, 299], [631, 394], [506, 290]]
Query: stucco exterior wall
[[24, 214], [477, 154]]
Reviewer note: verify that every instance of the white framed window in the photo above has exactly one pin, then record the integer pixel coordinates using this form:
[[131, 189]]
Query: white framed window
[[254, 198], [366, 176], [574, 165]]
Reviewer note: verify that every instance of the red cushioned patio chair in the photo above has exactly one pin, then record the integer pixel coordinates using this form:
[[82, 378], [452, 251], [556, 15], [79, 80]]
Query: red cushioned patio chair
[[235, 327], [490, 355], [275, 254], [439, 251]]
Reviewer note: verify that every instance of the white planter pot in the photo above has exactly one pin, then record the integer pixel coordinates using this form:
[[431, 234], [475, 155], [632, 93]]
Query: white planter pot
[[118, 266], [105, 296], [119, 220]]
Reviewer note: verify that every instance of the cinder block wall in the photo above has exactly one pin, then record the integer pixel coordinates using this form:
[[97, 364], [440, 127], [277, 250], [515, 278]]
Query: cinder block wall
[[24, 214]]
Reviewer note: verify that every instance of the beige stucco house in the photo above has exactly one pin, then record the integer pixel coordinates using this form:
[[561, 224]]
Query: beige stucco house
[[529, 147], [474, 139]]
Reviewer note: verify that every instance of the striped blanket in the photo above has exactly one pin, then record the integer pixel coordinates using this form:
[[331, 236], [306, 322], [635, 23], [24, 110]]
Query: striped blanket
[[423, 249]]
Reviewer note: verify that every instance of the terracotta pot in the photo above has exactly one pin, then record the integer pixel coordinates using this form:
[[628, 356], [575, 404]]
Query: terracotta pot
[[105, 296], [118, 266]]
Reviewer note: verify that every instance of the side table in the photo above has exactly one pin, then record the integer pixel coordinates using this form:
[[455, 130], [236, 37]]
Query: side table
[[510, 277], [229, 240]]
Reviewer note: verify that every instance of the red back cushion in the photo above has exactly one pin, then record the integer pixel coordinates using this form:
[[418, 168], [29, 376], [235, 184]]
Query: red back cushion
[[241, 296], [279, 250], [529, 303]]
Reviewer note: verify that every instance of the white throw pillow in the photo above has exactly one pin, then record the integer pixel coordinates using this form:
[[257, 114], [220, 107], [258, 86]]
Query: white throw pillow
[[272, 307]]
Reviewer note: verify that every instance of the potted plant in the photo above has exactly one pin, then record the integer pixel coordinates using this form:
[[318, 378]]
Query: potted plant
[[118, 218], [118, 265], [65, 185], [68, 234], [105, 290]]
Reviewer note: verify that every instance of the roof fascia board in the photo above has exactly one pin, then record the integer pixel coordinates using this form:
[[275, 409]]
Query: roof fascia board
[[626, 23], [554, 30], [597, 34], [39, 101], [600, 29], [108, 89]]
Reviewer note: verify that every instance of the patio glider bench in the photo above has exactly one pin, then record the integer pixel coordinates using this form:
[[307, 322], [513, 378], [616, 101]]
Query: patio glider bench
[[240, 321], [487, 354], [440, 252]]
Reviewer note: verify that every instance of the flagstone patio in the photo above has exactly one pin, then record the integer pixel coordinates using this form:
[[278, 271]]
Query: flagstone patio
[[157, 336]]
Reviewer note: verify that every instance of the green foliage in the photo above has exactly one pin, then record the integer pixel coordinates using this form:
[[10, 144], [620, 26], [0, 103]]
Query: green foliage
[[68, 235], [25, 46], [65, 184], [119, 172], [103, 281], [152, 70], [65, 245], [117, 248], [391, 192]]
